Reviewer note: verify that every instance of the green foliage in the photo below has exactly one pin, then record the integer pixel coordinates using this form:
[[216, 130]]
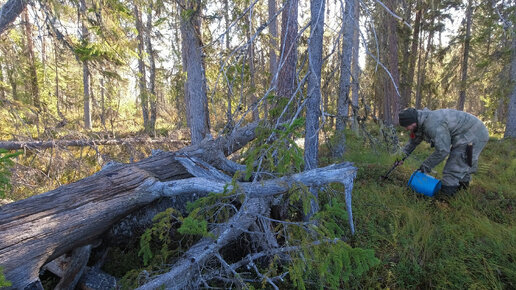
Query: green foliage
[[160, 231], [192, 226], [5, 164], [282, 155], [326, 262], [3, 281], [330, 265]]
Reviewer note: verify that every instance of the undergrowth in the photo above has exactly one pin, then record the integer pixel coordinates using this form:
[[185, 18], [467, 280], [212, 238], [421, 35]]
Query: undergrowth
[[466, 243]]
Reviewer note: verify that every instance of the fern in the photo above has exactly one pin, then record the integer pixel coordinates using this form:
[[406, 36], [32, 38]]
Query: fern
[[159, 231], [330, 265]]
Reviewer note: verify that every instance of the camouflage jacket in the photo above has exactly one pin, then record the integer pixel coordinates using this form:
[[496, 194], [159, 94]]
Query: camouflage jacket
[[444, 129]]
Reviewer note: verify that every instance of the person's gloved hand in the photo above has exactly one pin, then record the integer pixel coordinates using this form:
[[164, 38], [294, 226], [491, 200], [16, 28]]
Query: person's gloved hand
[[423, 168]]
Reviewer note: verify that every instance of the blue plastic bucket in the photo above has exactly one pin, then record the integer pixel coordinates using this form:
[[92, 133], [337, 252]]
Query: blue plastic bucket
[[424, 183]]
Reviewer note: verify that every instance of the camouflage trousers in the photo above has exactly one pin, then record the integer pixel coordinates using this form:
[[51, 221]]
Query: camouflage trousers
[[457, 168]]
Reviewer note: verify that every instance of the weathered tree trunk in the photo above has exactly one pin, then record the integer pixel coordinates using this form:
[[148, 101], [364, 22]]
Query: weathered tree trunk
[[348, 25], [273, 46], [73, 217], [355, 67], [464, 70], [251, 55], [142, 81], [43, 227], [392, 109], [185, 274], [33, 74], [2, 90], [9, 12], [409, 60], [510, 128], [422, 67], [85, 69], [313, 110], [153, 99], [17, 145], [193, 64], [288, 55]]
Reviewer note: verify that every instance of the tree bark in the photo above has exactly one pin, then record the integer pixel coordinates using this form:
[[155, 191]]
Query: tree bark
[[355, 67], [151, 128], [29, 145], [85, 69], [43, 227], [510, 128], [9, 12], [313, 111], [393, 105], [288, 55], [464, 70], [193, 64], [33, 74], [142, 79], [348, 25], [409, 62]]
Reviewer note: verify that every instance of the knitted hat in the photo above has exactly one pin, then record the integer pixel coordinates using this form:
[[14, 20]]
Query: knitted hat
[[407, 117]]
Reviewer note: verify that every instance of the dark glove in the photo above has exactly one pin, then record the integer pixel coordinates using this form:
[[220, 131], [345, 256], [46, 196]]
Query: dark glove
[[423, 168]]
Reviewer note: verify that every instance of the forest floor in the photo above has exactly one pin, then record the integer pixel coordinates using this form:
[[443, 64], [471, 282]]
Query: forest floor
[[467, 242], [464, 243]]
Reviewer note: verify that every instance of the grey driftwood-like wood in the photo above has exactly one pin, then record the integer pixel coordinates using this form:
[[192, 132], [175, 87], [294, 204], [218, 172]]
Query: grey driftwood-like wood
[[41, 228], [28, 145], [184, 274]]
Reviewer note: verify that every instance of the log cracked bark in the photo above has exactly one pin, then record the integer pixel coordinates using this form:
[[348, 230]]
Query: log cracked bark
[[43, 227]]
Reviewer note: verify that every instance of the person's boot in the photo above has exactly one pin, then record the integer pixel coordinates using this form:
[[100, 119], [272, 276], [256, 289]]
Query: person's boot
[[446, 192], [463, 185], [449, 189]]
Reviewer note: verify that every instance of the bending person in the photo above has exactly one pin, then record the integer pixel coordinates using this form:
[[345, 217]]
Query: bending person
[[456, 134]]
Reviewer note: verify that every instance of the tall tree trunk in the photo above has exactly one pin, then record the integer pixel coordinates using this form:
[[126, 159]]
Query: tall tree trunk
[[9, 12], [422, 70], [355, 67], [273, 58], [464, 70], [193, 64], [345, 77], [229, 93], [313, 111], [409, 62], [142, 78], [393, 105], [33, 74], [2, 91], [56, 90], [510, 128], [255, 112], [151, 128], [85, 70], [102, 104], [288, 55]]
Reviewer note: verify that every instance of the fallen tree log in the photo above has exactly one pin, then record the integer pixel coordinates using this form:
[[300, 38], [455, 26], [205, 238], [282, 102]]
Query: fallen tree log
[[41, 228], [29, 145]]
